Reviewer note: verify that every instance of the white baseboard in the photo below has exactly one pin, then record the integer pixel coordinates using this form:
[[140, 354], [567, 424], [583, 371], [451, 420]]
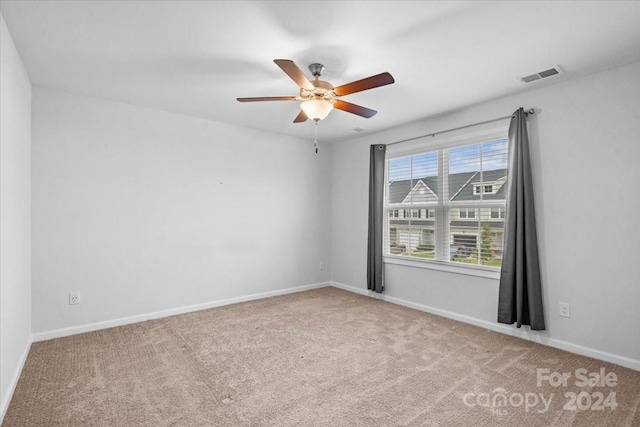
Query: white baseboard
[[6, 399], [504, 329], [73, 330]]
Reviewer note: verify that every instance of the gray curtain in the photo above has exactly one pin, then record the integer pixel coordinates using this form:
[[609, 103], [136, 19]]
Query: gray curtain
[[376, 214], [520, 295]]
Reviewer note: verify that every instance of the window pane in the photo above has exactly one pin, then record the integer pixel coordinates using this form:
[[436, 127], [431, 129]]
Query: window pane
[[476, 242], [494, 155], [399, 171], [411, 237]]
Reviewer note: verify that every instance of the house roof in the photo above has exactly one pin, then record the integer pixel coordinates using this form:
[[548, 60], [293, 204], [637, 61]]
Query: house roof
[[461, 186], [466, 190]]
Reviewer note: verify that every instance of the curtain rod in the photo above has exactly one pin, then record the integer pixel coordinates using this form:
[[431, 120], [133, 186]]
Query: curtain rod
[[530, 111]]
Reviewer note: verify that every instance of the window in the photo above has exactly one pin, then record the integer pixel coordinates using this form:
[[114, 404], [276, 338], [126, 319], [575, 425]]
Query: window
[[454, 203], [485, 188], [497, 213], [467, 213]]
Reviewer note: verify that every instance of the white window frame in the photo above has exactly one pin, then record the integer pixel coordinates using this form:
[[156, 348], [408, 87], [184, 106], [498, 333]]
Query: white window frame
[[441, 233]]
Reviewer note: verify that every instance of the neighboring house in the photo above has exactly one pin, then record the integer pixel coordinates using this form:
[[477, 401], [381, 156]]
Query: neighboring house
[[472, 203]]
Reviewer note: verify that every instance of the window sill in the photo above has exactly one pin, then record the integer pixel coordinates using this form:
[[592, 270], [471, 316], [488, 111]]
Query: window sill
[[486, 272]]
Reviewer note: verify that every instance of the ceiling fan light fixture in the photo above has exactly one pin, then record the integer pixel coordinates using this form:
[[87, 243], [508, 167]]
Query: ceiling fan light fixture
[[316, 109], [320, 97]]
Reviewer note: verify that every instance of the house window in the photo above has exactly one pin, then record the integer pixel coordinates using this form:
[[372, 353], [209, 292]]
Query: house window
[[497, 213], [442, 193], [485, 188], [393, 235], [467, 213]]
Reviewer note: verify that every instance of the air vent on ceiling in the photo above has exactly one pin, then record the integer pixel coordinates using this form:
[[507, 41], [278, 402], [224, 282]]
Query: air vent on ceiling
[[541, 75]]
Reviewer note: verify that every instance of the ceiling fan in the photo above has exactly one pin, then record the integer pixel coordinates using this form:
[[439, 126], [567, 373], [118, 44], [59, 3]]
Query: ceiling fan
[[320, 97]]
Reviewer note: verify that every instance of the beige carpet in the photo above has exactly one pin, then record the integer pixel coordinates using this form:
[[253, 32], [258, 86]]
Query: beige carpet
[[320, 358]]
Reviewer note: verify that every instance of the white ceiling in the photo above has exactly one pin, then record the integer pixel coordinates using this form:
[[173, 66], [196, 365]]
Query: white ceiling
[[196, 57]]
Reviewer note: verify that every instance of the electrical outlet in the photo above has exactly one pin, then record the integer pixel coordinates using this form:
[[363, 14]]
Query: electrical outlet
[[565, 309], [321, 265], [74, 297]]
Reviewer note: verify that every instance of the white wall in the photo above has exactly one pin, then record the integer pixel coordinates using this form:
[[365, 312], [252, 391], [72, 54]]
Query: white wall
[[15, 215], [585, 149], [143, 211]]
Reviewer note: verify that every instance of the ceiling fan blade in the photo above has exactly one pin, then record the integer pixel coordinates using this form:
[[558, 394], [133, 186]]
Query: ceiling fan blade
[[295, 73], [301, 117], [354, 109], [378, 80], [269, 98]]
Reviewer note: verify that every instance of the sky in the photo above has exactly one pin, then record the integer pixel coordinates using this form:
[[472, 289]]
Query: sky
[[461, 159]]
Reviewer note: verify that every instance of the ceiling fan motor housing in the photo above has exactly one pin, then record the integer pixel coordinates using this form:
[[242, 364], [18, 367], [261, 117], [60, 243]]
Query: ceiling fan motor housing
[[316, 69]]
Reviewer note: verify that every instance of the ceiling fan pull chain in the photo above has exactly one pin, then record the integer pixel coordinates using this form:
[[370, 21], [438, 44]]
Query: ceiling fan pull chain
[[315, 140]]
